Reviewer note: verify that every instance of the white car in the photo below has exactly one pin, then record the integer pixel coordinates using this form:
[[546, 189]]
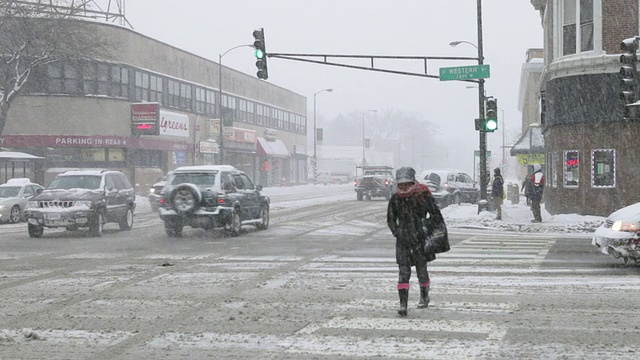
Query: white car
[[14, 196], [619, 236]]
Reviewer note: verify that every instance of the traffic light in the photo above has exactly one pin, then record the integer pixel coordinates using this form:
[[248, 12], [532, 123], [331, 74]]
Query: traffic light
[[261, 54], [629, 76], [491, 115]]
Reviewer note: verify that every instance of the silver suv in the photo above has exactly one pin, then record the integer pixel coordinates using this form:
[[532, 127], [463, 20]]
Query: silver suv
[[211, 197]]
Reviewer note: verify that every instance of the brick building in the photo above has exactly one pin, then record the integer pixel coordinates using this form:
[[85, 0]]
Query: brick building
[[591, 151]]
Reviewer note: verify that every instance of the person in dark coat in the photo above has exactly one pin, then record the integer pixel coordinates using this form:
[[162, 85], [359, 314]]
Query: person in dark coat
[[536, 191], [407, 219], [497, 192]]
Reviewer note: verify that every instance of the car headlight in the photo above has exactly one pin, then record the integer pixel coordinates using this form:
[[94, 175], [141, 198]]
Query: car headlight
[[84, 203], [2, 206], [32, 205], [625, 226], [152, 191]]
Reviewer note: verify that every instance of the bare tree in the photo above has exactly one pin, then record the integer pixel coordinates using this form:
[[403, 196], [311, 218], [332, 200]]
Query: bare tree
[[36, 33]]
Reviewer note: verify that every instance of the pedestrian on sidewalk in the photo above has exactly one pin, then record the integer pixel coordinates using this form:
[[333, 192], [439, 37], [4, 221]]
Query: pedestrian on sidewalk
[[497, 192], [536, 191], [407, 219], [526, 188]]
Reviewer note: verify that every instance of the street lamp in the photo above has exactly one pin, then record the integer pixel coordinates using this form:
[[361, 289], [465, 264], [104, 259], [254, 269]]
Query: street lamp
[[221, 146], [364, 159], [482, 204], [456, 43], [315, 134]]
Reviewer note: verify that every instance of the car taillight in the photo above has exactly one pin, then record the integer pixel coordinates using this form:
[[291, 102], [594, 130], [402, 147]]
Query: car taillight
[[220, 201], [355, 182], [162, 201]]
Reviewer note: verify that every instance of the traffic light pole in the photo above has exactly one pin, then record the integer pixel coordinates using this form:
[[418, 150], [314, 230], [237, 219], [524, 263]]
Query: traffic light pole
[[482, 204]]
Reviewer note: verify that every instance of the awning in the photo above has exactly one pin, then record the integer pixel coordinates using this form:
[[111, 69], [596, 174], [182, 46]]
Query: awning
[[531, 142], [17, 156], [272, 148]]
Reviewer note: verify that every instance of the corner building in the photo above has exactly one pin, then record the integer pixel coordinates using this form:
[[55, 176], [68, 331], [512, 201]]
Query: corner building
[[78, 115], [591, 152]]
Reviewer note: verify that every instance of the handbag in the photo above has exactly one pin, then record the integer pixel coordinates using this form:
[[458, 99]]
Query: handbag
[[437, 240]]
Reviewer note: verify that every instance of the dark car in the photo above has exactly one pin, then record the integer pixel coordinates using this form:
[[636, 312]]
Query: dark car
[[155, 193], [211, 197], [83, 199], [450, 186]]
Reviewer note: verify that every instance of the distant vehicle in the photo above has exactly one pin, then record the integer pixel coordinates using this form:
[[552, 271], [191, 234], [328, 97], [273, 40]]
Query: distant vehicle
[[83, 199], [327, 177], [155, 193], [450, 186], [619, 235], [14, 196], [376, 181], [212, 197]]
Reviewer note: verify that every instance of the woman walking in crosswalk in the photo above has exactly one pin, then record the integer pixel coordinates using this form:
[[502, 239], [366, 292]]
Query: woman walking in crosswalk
[[407, 219]]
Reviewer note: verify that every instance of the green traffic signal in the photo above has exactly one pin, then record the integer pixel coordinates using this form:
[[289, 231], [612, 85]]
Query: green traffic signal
[[261, 54], [491, 125]]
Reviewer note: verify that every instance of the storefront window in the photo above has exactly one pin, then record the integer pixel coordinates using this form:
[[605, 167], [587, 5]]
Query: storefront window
[[603, 168], [571, 169]]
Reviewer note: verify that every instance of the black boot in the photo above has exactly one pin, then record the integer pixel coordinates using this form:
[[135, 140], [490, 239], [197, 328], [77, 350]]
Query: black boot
[[424, 297], [404, 300]]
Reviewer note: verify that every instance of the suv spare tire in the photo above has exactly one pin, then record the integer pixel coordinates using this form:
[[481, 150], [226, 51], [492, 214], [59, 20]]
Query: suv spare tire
[[185, 198]]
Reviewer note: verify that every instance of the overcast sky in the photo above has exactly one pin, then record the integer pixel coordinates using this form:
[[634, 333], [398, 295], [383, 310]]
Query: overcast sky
[[368, 27]]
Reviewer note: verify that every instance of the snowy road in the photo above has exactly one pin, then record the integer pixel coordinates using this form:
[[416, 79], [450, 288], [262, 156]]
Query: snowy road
[[318, 284]]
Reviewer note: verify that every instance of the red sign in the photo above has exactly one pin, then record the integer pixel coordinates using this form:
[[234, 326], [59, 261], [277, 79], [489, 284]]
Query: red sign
[[145, 119]]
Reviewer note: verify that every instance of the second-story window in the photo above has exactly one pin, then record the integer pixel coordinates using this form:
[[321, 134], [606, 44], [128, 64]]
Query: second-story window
[[577, 26]]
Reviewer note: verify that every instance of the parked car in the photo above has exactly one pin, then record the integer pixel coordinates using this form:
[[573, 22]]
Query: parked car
[[155, 193], [14, 196], [211, 197], [83, 199], [619, 235], [450, 186]]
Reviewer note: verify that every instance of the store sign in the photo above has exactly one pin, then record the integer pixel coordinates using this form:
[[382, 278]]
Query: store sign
[[144, 119], [174, 124], [269, 134], [240, 135], [530, 159], [214, 128], [208, 147]]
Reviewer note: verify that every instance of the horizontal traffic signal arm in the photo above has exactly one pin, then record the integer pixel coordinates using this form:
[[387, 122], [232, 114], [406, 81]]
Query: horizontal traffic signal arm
[[324, 60]]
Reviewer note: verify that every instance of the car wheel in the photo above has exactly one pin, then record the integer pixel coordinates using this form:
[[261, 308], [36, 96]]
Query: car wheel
[[264, 218], [35, 231], [14, 216], [184, 199], [233, 228], [359, 196], [173, 228], [368, 197], [456, 199], [126, 223], [97, 225]]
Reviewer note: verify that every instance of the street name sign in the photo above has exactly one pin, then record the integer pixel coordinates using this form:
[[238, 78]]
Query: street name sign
[[465, 72]]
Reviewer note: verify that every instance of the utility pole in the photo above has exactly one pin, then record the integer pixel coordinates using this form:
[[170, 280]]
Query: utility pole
[[482, 205]]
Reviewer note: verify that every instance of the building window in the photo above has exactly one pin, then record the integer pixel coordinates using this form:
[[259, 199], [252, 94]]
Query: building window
[[576, 36], [200, 100], [603, 168], [119, 81], [571, 169], [554, 169]]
